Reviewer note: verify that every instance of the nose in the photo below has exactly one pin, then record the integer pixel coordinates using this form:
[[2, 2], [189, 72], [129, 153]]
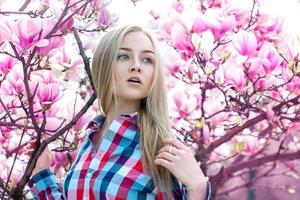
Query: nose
[[135, 67]]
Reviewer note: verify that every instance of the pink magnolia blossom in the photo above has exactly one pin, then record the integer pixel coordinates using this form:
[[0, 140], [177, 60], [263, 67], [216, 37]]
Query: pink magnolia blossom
[[270, 59], [4, 167], [47, 76], [178, 6], [52, 123], [191, 72], [183, 103], [206, 134], [182, 40], [270, 114], [198, 97], [213, 3], [199, 24], [15, 80], [270, 26], [245, 43], [68, 25], [218, 23], [213, 104], [177, 97], [6, 63], [174, 68], [5, 31], [54, 42], [239, 10], [104, 18], [251, 143], [294, 86], [28, 32], [261, 84], [59, 160], [83, 121], [78, 7], [255, 70], [57, 10], [234, 73], [295, 127], [47, 93]]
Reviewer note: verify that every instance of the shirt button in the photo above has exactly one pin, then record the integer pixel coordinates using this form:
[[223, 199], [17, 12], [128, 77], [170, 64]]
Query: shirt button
[[89, 174]]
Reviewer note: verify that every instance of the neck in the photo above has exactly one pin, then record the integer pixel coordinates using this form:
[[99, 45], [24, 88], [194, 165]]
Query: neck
[[123, 107]]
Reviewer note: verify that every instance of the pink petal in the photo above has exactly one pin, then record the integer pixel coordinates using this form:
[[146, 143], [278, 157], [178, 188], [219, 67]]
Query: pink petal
[[245, 43], [42, 43]]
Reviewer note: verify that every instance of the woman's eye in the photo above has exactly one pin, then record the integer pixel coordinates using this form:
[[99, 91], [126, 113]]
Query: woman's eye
[[147, 60], [122, 57]]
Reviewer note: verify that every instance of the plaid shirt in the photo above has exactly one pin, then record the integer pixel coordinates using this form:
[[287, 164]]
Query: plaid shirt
[[113, 172]]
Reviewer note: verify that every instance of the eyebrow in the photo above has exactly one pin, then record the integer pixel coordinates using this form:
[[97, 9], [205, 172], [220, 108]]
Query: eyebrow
[[144, 51]]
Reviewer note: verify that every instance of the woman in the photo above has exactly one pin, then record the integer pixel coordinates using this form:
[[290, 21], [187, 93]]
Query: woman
[[127, 152]]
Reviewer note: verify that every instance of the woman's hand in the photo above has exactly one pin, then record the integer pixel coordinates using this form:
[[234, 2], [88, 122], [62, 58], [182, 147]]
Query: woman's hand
[[179, 159], [43, 162]]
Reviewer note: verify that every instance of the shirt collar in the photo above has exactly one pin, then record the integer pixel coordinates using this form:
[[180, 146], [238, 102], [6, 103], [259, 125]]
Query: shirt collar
[[132, 117]]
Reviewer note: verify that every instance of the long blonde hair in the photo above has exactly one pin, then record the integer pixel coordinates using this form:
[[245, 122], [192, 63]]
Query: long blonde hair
[[153, 117]]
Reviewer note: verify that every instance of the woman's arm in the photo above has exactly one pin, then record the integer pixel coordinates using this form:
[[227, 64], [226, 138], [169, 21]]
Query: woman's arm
[[202, 188], [44, 185], [179, 159]]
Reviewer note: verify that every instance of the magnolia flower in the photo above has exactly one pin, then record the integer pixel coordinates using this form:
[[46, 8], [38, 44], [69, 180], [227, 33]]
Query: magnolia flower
[[233, 73], [6, 63], [251, 143], [270, 59], [245, 43], [182, 40], [178, 6], [103, 18], [218, 23], [47, 93], [28, 33], [15, 80], [53, 43], [5, 31]]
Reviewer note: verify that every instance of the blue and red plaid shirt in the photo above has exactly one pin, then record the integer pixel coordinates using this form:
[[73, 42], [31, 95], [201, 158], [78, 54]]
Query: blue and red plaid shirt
[[114, 171]]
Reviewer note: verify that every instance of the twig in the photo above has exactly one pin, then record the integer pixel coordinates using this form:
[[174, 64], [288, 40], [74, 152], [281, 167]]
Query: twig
[[260, 161], [24, 6], [84, 58], [37, 152], [13, 164], [247, 124]]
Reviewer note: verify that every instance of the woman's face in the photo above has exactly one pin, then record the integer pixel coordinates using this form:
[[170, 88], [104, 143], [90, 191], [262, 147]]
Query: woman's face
[[134, 70]]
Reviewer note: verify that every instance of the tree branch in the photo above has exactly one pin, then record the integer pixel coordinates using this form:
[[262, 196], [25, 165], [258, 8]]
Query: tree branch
[[247, 124], [84, 58], [260, 161]]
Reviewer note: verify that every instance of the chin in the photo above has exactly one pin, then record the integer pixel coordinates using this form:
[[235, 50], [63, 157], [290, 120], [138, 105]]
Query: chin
[[133, 97]]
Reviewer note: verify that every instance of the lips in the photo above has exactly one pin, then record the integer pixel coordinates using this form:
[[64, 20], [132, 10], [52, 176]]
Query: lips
[[135, 79]]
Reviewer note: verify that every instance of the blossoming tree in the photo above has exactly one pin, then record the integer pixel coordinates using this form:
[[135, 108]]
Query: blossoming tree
[[232, 73], [45, 89]]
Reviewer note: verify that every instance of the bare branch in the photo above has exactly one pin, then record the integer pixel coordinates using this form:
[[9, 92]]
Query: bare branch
[[84, 58]]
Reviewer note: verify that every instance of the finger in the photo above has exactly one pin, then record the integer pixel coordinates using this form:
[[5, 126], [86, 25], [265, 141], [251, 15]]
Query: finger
[[30, 144], [165, 163], [175, 142], [28, 152], [166, 148], [166, 156]]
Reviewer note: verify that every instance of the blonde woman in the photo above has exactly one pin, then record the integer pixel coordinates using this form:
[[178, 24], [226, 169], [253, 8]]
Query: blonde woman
[[127, 152]]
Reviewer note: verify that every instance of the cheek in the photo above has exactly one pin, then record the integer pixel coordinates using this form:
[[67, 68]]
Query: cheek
[[117, 75], [151, 77]]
